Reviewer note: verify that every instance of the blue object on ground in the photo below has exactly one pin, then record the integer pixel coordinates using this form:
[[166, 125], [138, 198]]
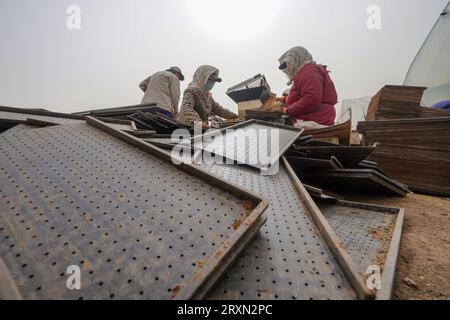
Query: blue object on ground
[[161, 110], [445, 105]]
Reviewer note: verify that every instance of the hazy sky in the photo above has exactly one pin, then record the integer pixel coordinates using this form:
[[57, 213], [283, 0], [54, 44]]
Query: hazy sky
[[44, 64]]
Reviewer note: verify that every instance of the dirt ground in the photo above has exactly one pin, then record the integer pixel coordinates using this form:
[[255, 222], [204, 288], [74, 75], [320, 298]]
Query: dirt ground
[[423, 269]]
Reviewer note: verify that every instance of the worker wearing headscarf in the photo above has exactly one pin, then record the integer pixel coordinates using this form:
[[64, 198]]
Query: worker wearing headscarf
[[312, 96], [198, 104]]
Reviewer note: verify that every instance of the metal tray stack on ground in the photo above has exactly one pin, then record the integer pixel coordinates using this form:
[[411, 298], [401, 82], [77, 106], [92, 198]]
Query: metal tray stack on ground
[[297, 254], [293, 256], [288, 259], [137, 225], [300, 253]]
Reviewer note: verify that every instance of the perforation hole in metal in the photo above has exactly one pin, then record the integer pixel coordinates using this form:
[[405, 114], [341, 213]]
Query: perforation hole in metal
[[287, 259], [135, 225]]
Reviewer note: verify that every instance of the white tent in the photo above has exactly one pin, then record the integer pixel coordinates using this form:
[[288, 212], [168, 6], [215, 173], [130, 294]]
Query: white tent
[[431, 66], [355, 109]]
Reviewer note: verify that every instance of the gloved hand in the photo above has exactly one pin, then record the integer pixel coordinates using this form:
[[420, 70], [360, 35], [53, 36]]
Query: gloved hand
[[205, 125], [278, 106]]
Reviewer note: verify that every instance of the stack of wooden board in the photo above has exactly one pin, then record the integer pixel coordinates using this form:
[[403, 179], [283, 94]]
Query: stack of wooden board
[[413, 141], [339, 133], [428, 132], [424, 170], [427, 112], [401, 102], [395, 102]]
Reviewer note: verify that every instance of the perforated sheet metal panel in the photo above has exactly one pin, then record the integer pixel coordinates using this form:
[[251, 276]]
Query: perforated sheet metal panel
[[18, 128], [366, 234], [136, 226], [288, 259], [244, 143], [23, 117]]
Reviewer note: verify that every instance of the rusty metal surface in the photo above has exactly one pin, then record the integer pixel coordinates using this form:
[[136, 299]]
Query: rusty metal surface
[[18, 128], [136, 225], [365, 232], [17, 117], [288, 259]]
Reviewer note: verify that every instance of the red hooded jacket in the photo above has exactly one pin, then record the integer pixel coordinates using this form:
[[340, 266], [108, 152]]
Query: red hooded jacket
[[313, 96]]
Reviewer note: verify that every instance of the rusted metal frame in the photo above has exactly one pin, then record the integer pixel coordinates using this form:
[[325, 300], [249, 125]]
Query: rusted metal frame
[[377, 176], [8, 288], [203, 280], [39, 123], [161, 123], [142, 123], [116, 111], [162, 145], [11, 122], [160, 118], [313, 164], [52, 114], [221, 262], [42, 113], [331, 239], [141, 133], [390, 264]]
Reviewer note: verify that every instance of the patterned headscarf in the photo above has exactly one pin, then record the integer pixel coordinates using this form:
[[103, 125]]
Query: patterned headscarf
[[296, 58]]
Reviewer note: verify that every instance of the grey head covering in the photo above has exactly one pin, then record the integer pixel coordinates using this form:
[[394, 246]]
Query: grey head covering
[[201, 76], [295, 59]]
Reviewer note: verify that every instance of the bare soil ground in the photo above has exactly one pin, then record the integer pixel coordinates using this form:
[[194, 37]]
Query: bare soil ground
[[423, 269]]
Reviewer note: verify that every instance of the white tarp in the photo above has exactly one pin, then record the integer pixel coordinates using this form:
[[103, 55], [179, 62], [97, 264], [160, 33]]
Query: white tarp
[[356, 109], [431, 67]]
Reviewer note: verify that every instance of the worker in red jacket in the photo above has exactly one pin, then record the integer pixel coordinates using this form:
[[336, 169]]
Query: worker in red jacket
[[313, 95]]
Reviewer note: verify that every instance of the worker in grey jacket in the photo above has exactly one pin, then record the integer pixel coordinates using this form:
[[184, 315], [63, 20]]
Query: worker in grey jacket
[[163, 89]]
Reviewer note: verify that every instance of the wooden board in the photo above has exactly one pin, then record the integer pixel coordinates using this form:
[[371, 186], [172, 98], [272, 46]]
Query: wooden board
[[341, 131], [429, 132], [424, 170], [395, 102]]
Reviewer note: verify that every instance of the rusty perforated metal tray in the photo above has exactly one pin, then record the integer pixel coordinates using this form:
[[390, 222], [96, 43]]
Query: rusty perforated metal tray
[[371, 234], [138, 226], [290, 258]]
